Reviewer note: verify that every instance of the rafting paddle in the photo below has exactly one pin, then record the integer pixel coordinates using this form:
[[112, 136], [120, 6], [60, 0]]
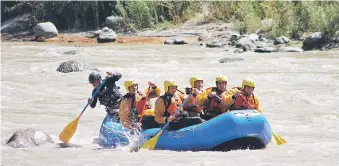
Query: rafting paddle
[[69, 130], [150, 144], [278, 140], [142, 104]]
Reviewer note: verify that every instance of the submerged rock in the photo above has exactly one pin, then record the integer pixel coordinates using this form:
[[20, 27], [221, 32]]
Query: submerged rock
[[28, 138], [73, 66], [228, 60], [68, 145], [71, 52]]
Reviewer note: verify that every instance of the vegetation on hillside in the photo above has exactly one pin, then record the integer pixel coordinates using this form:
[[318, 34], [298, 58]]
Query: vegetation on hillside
[[274, 18]]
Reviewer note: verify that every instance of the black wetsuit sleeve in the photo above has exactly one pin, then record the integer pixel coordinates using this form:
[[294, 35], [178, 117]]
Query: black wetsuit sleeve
[[94, 101], [116, 76], [110, 82]]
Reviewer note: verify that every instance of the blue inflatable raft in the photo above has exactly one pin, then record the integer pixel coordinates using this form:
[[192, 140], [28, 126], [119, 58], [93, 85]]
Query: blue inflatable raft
[[240, 129]]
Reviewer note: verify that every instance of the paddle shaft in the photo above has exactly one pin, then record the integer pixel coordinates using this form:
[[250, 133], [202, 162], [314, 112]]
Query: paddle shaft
[[95, 93], [176, 112], [143, 108], [180, 91], [246, 101]]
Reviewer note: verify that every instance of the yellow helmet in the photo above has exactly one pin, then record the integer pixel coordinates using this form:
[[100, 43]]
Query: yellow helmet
[[248, 82], [129, 83], [193, 79], [221, 78], [168, 83]]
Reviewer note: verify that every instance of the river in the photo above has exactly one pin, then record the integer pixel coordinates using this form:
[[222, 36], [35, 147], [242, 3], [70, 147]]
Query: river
[[298, 94]]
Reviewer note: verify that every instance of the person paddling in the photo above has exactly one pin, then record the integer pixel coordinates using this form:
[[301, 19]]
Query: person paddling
[[191, 107], [167, 104], [130, 113], [243, 98], [109, 94], [211, 98]]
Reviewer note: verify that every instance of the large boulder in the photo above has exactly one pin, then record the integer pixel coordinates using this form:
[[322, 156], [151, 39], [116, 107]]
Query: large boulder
[[238, 50], [169, 41], [97, 33], [281, 40], [247, 43], [234, 36], [178, 41], [330, 45], [265, 50], [261, 44], [248, 47], [313, 41], [20, 23], [214, 44], [73, 66], [331, 42], [107, 35], [242, 42], [46, 30], [334, 39], [28, 138], [253, 37], [114, 22], [204, 36]]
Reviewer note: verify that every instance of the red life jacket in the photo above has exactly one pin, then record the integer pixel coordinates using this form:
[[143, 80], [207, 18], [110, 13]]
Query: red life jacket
[[241, 104], [140, 101]]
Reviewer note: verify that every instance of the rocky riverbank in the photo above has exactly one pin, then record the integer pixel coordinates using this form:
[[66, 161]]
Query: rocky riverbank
[[204, 34]]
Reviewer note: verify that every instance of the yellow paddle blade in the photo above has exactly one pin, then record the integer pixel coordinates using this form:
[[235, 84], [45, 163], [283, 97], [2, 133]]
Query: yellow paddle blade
[[150, 144], [278, 140], [69, 130]]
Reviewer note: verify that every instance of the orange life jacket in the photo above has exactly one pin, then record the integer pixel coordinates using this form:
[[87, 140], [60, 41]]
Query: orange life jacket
[[128, 103], [191, 106], [241, 104]]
